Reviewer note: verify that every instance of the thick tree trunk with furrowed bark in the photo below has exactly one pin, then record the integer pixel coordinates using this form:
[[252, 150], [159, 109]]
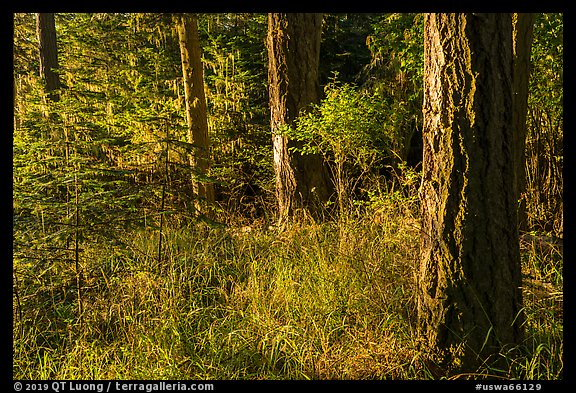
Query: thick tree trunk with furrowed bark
[[302, 181], [469, 300]]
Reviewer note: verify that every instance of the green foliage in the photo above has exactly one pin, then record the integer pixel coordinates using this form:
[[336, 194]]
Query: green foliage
[[397, 39], [95, 173], [348, 128], [547, 58], [395, 73], [544, 140], [229, 303], [254, 303], [343, 49], [236, 79]]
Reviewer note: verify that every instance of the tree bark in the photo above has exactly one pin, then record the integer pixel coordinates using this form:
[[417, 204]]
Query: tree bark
[[469, 300], [48, 51], [522, 25], [196, 112], [302, 181], [16, 112], [46, 32]]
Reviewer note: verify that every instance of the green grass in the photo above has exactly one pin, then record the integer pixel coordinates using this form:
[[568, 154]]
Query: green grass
[[314, 301]]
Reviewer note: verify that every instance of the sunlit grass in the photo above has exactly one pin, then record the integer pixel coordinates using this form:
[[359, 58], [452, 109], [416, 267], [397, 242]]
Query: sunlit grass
[[313, 301]]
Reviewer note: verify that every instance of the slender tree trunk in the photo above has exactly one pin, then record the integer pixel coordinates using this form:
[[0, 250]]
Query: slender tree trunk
[[16, 105], [48, 51], [522, 25], [302, 181], [196, 113], [469, 300], [46, 31]]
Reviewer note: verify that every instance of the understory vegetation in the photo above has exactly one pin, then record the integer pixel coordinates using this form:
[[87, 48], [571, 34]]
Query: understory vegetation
[[316, 301], [116, 276]]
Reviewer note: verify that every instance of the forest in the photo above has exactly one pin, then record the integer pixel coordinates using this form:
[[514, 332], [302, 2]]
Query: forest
[[252, 196]]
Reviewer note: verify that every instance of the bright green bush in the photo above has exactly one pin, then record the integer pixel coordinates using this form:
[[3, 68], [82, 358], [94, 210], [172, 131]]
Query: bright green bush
[[348, 128]]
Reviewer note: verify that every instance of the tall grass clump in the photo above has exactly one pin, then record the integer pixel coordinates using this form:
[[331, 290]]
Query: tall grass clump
[[331, 300], [226, 303]]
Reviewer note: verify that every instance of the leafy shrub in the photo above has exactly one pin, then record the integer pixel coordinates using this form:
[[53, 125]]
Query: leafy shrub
[[348, 130]]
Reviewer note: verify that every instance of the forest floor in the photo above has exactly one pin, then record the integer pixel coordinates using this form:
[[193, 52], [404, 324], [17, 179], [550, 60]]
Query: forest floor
[[311, 301]]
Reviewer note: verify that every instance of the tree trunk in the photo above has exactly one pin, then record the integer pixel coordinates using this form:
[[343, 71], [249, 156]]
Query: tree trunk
[[48, 50], [302, 181], [15, 100], [522, 25], [46, 31], [196, 113], [469, 300]]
